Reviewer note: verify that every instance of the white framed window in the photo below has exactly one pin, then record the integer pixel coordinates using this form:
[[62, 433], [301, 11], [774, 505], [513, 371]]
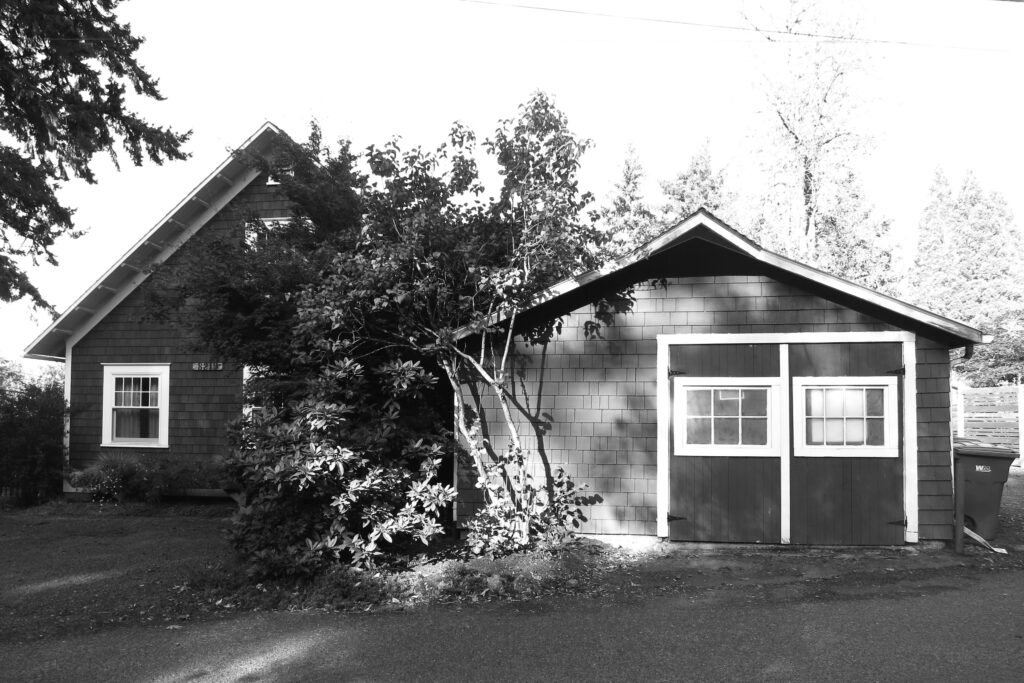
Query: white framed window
[[845, 417], [725, 416], [135, 405]]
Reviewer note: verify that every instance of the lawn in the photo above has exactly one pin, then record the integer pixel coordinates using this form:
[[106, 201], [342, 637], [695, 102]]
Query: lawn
[[74, 568]]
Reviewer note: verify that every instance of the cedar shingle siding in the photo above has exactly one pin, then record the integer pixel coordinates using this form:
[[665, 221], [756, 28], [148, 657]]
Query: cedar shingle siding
[[201, 402], [933, 441], [589, 406]]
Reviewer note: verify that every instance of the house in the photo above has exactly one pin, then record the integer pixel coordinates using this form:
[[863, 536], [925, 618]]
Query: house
[[744, 398], [133, 384]]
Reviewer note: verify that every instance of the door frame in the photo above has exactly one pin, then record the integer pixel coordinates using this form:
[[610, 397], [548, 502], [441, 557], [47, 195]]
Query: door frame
[[909, 435]]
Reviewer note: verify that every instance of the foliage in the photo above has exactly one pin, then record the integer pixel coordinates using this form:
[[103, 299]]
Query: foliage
[[549, 512], [627, 219], [66, 69], [31, 433], [125, 477], [815, 210], [968, 268], [236, 289], [408, 260], [119, 477], [700, 185], [342, 473]]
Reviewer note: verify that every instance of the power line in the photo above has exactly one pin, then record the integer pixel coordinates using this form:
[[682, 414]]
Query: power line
[[722, 27]]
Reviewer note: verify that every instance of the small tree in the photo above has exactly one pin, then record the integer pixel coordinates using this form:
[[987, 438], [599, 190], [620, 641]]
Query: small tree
[[445, 276]]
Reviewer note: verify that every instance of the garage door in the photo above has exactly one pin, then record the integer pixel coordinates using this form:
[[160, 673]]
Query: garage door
[[726, 437]]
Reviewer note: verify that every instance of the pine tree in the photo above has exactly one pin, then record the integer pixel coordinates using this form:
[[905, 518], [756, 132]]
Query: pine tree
[[627, 219], [700, 185], [65, 68], [967, 268]]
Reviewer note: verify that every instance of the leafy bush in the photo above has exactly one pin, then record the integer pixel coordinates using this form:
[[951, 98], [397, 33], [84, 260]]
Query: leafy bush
[[31, 434], [345, 472], [123, 476], [544, 515], [119, 477]]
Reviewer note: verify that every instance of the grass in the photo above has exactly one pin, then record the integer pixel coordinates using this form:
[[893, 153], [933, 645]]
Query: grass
[[71, 568]]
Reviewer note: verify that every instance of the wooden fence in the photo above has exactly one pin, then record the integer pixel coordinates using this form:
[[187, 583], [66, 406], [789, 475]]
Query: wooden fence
[[992, 414]]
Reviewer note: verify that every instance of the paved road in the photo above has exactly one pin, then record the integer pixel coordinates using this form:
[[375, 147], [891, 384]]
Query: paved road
[[966, 627]]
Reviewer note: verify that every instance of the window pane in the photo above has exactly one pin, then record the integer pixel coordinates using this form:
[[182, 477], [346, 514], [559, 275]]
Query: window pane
[[855, 432], [833, 402], [754, 402], [136, 424], [815, 403], [875, 402], [854, 403], [755, 431], [727, 402], [834, 431], [698, 402], [727, 430], [698, 430], [876, 431], [815, 432]]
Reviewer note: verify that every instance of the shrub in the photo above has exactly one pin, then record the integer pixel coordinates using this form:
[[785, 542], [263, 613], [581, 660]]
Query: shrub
[[546, 516], [120, 477], [31, 434], [343, 473]]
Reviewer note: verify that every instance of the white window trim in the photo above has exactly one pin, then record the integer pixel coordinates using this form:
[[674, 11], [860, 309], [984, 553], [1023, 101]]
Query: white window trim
[[771, 450], [891, 414], [159, 370]]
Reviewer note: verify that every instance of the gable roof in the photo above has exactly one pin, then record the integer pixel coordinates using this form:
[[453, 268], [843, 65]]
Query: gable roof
[[703, 226], [166, 237]]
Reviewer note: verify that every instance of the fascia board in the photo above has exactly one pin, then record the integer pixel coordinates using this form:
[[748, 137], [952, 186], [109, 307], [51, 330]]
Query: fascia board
[[228, 179]]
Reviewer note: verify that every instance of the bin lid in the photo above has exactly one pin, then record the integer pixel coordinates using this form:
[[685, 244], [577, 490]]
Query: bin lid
[[976, 451]]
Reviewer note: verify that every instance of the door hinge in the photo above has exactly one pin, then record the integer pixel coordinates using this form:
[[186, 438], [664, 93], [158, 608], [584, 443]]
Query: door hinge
[[899, 371], [675, 373], [899, 522], [673, 518]]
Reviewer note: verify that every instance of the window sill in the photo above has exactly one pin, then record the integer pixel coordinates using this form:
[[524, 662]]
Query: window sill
[[728, 452], [132, 444], [845, 452]]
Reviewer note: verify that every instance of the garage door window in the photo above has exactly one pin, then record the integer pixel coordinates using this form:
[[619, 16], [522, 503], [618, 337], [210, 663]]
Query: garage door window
[[845, 416], [719, 419]]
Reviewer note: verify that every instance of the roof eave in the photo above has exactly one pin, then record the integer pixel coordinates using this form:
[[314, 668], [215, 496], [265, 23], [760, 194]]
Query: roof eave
[[176, 223], [679, 233]]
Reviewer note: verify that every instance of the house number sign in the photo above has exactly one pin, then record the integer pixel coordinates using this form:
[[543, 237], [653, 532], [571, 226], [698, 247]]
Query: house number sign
[[208, 366]]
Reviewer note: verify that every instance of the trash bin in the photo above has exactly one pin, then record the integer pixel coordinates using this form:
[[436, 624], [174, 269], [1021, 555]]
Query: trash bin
[[985, 470]]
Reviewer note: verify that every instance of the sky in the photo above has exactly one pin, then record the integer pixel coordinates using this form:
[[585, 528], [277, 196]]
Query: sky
[[942, 88]]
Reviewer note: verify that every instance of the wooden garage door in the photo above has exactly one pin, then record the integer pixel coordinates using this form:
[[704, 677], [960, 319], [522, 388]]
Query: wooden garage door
[[725, 436], [847, 460]]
